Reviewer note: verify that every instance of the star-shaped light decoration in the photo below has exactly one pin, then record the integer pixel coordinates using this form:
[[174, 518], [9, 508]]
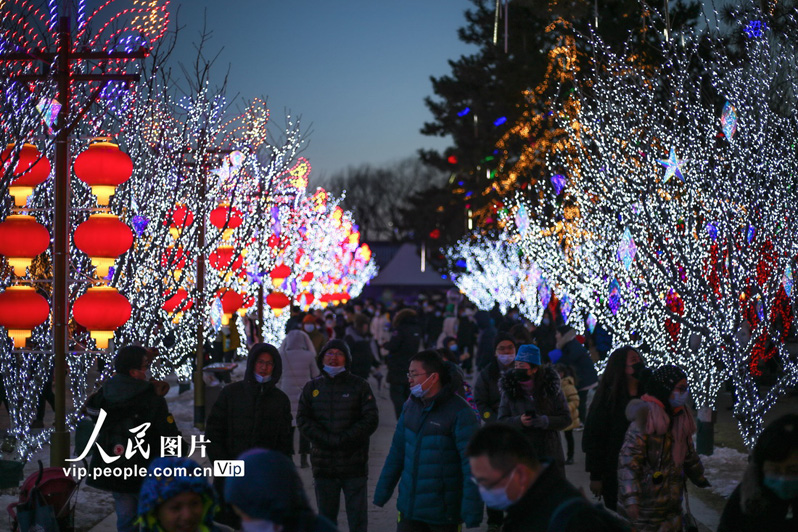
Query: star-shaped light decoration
[[673, 166], [728, 120], [627, 249]]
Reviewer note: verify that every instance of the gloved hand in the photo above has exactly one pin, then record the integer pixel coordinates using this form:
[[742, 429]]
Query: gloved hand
[[539, 422], [702, 483]]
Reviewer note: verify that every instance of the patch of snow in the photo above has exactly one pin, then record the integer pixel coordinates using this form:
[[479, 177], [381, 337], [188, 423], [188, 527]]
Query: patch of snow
[[724, 469]]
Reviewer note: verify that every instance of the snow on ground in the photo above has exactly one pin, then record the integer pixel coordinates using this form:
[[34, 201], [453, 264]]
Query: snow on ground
[[724, 469]]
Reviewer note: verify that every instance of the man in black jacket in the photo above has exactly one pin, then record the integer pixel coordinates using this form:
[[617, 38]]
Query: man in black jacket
[[126, 402], [250, 413], [338, 414], [534, 494]]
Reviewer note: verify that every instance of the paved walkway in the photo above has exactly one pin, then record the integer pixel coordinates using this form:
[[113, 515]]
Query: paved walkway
[[384, 519]]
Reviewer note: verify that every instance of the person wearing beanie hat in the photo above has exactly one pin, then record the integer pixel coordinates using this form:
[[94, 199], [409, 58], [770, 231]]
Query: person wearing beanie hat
[[488, 395], [310, 324], [338, 414], [176, 497], [270, 495], [575, 355], [250, 413], [657, 453], [533, 402]]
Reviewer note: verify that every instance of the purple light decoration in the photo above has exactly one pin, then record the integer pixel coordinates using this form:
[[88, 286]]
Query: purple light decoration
[[760, 310], [728, 120], [614, 299], [499, 121], [565, 307], [111, 272], [712, 229], [464, 111], [751, 233], [756, 29], [544, 294], [139, 224], [558, 181], [627, 249], [591, 323]]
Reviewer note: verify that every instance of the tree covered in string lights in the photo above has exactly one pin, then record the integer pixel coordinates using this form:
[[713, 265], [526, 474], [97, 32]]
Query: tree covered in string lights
[[686, 208]]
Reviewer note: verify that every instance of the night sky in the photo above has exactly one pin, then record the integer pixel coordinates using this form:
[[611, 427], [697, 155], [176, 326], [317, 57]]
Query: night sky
[[356, 70]]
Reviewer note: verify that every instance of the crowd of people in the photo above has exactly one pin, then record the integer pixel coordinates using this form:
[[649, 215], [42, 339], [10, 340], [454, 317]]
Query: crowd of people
[[485, 408]]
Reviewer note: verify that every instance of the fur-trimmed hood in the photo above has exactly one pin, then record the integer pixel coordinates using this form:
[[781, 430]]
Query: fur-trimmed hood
[[510, 384]]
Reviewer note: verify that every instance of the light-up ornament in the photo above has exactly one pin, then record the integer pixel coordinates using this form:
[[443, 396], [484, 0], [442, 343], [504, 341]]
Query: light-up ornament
[[139, 224], [565, 307], [103, 237], [614, 296], [558, 181], [712, 230], [49, 109], [279, 274], [787, 280], [522, 219], [673, 166], [277, 301], [216, 314], [627, 249], [22, 309], [544, 294], [591, 322], [103, 166], [751, 233], [728, 120]]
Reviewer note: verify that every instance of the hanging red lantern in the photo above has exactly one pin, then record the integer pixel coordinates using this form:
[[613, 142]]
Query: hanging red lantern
[[305, 299], [226, 218], [103, 166], [21, 239], [306, 279], [231, 302], [177, 304], [32, 169], [175, 259], [226, 258], [279, 274], [182, 218], [101, 310], [22, 309], [103, 238], [277, 301]]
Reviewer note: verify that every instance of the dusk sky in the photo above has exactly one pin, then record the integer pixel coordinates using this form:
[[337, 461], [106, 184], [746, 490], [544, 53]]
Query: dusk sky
[[356, 70]]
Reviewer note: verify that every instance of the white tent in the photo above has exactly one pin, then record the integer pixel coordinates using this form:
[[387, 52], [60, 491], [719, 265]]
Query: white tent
[[405, 269]]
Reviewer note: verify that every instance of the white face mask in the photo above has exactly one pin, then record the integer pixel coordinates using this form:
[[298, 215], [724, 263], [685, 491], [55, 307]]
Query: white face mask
[[261, 380], [332, 371], [309, 327], [418, 390], [505, 360]]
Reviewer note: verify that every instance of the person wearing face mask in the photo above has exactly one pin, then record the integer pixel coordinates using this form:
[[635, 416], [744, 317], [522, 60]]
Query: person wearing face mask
[[657, 453], [427, 458], [767, 496], [606, 423], [536, 496], [314, 331], [338, 414], [299, 366], [129, 400], [250, 413], [533, 402], [270, 497], [174, 499]]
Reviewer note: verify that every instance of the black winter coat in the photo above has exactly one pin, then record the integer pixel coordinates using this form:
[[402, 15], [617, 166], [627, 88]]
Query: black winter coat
[[249, 414], [487, 393], [338, 415], [575, 355], [605, 429], [128, 403], [535, 509], [754, 508], [402, 346], [362, 355]]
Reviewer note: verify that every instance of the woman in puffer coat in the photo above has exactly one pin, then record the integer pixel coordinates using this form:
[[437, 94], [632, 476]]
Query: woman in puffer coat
[[657, 454], [299, 366], [533, 402]]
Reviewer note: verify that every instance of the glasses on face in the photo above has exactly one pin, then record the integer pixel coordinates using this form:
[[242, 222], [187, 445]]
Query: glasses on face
[[495, 482], [264, 363], [412, 376]]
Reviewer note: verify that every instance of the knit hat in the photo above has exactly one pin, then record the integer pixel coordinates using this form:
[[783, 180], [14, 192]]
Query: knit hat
[[662, 381], [528, 353], [270, 488], [157, 489], [309, 318]]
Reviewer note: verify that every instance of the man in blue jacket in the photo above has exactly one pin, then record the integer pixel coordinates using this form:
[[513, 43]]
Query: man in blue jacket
[[428, 455]]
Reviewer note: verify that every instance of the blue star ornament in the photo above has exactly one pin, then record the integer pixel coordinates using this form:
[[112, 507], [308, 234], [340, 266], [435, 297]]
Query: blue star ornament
[[673, 166]]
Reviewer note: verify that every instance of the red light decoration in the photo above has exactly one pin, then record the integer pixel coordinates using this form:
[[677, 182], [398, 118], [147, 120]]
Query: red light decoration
[[21, 239], [226, 218], [305, 299], [306, 279], [231, 302], [103, 238], [103, 166], [182, 217], [452, 159], [279, 274], [175, 259], [435, 234], [22, 309], [226, 258], [32, 169], [277, 301], [101, 310], [177, 304]]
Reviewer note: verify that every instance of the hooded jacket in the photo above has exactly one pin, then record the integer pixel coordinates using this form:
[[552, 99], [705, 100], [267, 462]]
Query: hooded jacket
[[754, 508], [428, 460], [404, 343], [548, 401], [647, 449], [250, 414], [487, 393], [575, 355], [362, 355], [338, 415], [299, 365], [128, 402]]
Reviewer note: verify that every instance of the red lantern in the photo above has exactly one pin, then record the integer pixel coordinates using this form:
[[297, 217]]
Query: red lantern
[[21, 239], [182, 217], [177, 304], [277, 301], [280, 274], [306, 279], [226, 258], [175, 259], [32, 169], [226, 218], [305, 299], [100, 311], [231, 302], [103, 166], [103, 238], [22, 309]]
